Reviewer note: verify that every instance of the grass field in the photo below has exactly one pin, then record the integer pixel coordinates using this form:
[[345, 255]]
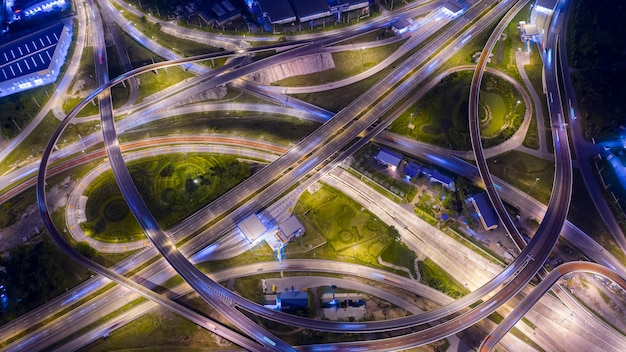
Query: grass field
[[85, 82], [351, 231], [504, 51], [181, 46], [399, 254], [347, 64], [32, 147], [18, 109], [173, 187], [272, 128], [435, 277], [149, 82], [440, 117], [522, 170], [154, 331]]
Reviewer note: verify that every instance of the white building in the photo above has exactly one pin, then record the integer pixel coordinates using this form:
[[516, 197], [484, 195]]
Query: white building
[[35, 59]]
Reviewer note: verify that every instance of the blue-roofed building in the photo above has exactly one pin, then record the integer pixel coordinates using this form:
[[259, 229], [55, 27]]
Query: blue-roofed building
[[485, 211], [412, 169], [442, 179], [309, 10], [347, 5], [388, 157], [277, 11], [293, 300], [34, 59]]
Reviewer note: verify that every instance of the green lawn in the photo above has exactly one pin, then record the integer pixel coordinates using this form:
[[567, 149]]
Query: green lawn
[[522, 170], [32, 147], [158, 330], [504, 51], [347, 64], [351, 231], [435, 277], [534, 72], [18, 109], [149, 82], [440, 116], [272, 128], [399, 254], [173, 187]]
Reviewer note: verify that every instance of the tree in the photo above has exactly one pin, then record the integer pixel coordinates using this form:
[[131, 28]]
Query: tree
[[86, 250]]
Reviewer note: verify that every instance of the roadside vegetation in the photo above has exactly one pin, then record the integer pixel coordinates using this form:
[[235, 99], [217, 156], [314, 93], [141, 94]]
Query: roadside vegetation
[[351, 232], [160, 329], [596, 46], [503, 54], [440, 116], [399, 254], [528, 173], [149, 82], [35, 272], [347, 64], [273, 128], [437, 278], [173, 187]]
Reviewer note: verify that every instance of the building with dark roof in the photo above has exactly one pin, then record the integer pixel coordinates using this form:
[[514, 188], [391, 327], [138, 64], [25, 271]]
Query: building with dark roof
[[293, 300], [388, 157], [442, 179], [485, 211], [309, 10], [277, 11], [347, 5], [412, 169], [34, 59]]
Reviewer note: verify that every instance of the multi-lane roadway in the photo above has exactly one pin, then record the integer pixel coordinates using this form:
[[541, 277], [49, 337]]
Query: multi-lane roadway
[[303, 158]]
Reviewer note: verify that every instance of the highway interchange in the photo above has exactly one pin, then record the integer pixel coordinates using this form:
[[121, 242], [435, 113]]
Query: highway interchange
[[302, 160]]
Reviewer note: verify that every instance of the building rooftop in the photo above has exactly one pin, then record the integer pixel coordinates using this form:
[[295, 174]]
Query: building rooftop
[[278, 11], [252, 227], [485, 212], [388, 157], [290, 226], [412, 169], [548, 4], [441, 178], [310, 9], [29, 54]]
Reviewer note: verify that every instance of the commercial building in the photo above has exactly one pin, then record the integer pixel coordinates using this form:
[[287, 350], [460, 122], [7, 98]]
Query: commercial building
[[293, 300], [412, 169], [442, 179], [528, 31], [289, 229], [453, 7], [35, 59], [400, 26], [486, 214], [252, 227], [347, 5], [309, 10], [388, 158], [277, 11], [220, 12], [288, 11], [331, 299]]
